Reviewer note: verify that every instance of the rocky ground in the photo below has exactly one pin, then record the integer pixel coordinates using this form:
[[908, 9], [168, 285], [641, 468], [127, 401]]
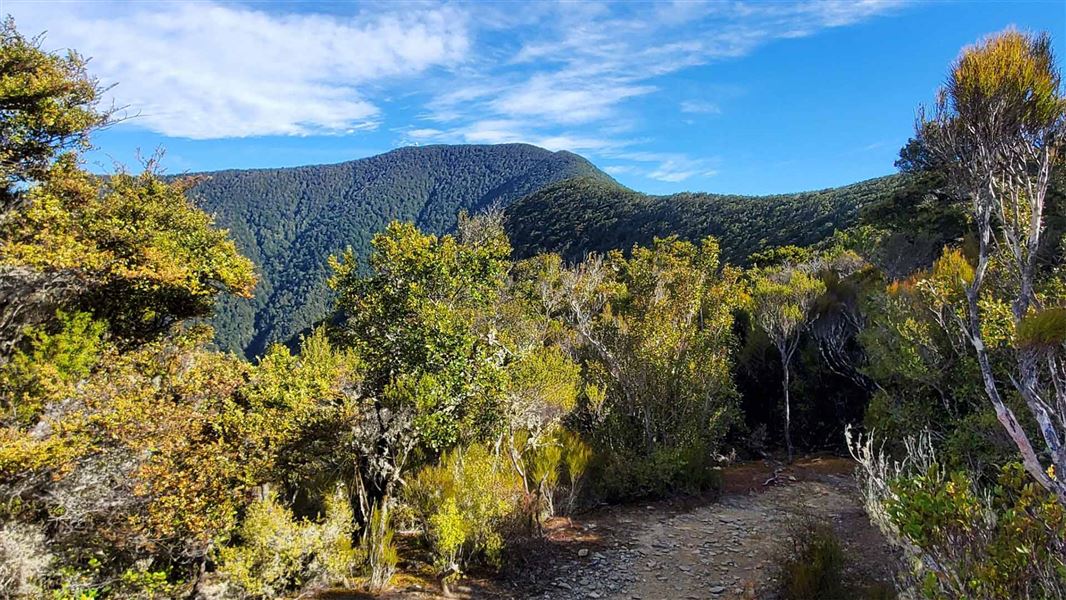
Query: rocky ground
[[692, 548]]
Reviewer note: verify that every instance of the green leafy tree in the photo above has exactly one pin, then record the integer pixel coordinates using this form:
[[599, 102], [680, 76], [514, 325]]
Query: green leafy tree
[[49, 104], [125, 447], [784, 301], [998, 130], [131, 250], [432, 363], [656, 332]]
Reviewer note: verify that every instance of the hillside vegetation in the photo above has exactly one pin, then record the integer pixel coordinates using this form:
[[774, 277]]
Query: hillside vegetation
[[289, 221], [456, 400], [583, 215]]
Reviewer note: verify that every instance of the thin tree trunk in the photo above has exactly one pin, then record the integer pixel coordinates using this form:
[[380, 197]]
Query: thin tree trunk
[[788, 410]]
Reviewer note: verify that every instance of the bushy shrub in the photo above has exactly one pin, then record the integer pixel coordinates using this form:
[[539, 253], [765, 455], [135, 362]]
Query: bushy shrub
[[812, 567], [277, 553], [577, 455], [687, 470], [1007, 542], [381, 553], [543, 466], [963, 539], [272, 553], [467, 503]]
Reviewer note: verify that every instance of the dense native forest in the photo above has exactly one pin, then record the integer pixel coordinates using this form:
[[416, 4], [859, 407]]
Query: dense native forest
[[457, 393], [582, 215], [290, 221]]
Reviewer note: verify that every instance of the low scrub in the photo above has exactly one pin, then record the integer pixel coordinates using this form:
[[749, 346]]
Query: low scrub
[[622, 477], [814, 566]]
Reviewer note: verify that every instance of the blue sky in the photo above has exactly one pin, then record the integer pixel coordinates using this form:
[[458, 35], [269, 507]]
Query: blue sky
[[731, 97]]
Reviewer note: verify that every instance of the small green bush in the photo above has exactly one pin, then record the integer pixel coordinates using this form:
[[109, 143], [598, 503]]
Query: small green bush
[[467, 501], [542, 466], [270, 557], [687, 470], [577, 456], [276, 553], [1006, 542], [812, 568], [382, 556]]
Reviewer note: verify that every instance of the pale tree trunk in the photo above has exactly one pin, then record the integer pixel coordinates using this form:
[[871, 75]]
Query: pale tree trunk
[[1026, 386], [788, 415], [786, 350]]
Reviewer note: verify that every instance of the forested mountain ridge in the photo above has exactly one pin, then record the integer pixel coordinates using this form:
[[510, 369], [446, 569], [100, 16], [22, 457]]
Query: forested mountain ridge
[[582, 215], [290, 220]]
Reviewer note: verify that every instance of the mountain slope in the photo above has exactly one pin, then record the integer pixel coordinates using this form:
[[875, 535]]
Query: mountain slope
[[584, 214], [289, 221]]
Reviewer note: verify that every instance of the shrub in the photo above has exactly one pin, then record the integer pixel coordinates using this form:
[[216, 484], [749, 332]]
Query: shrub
[[542, 466], [962, 539], [812, 568], [468, 501], [271, 555], [687, 470], [277, 553], [380, 550], [577, 455], [1008, 542]]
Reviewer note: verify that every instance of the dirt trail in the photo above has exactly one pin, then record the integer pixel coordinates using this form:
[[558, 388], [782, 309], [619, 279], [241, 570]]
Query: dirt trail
[[691, 549]]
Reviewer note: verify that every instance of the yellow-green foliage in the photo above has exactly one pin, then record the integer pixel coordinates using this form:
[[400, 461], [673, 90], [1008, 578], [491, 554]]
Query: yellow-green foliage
[[269, 559], [336, 555], [381, 552], [470, 498], [783, 300], [543, 464], [666, 333], [1009, 543], [1010, 69], [577, 455], [416, 321], [1043, 329], [542, 385], [146, 254], [276, 553], [165, 442], [289, 396], [50, 366], [49, 103]]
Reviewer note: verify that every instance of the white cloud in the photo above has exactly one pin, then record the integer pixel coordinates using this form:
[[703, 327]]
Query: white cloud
[[205, 70], [561, 75], [423, 134], [507, 131], [580, 68], [566, 102], [670, 167]]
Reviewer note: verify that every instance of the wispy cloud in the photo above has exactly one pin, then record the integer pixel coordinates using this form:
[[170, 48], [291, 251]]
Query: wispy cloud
[[669, 167], [562, 75], [203, 70], [700, 107], [588, 63]]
